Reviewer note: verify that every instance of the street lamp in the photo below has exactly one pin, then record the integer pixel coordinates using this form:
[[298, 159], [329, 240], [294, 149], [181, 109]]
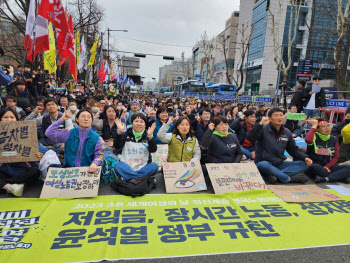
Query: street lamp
[[109, 30]]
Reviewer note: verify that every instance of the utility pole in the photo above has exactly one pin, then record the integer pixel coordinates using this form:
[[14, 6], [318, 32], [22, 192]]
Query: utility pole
[[108, 33]]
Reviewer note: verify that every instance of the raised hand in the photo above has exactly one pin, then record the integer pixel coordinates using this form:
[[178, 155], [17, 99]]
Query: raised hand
[[121, 126], [263, 120], [211, 126], [171, 120], [65, 116], [151, 130]]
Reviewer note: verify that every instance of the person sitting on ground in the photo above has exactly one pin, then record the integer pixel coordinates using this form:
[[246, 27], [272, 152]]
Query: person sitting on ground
[[272, 140], [136, 145], [73, 111], [223, 146], [45, 143], [83, 147], [292, 125], [134, 108], [200, 126], [336, 130], [63, 104], [232, 115], [107, 127], [323, 150], [183, 145], [13, 176], [188, 113], [162, 117], [344, 153], [261, 113], [241, 127], [25, 100], [11, 103]]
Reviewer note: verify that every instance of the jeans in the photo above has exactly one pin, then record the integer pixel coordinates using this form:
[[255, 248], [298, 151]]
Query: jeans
[[298, 132], [283, 171], [311, 113], [127, 173], [29, 176], [338, 173], [44, 150], [247, 151]]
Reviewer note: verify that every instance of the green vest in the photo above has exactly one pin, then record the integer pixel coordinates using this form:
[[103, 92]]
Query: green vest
[[181, 151]]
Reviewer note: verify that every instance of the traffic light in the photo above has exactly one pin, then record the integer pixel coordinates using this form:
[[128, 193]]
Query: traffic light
[[139, 55]]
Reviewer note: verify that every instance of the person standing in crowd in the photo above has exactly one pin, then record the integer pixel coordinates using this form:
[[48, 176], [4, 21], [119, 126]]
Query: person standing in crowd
[[298, 97], [223, 146], [24, 99], [136, 145], [241, 127], [11, 103], [315, 98], [63, 104], [292, 125], [44, 122], [272, 140], [260, 113], [13, 176], [83, 147], [232, 114], [183, 145], [188, 113], [216, 111], [323, 150]]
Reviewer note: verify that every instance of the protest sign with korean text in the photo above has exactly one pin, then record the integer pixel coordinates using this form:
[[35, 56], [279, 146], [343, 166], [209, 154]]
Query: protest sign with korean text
[[303, 193], [160, 156], [232, 177], [73, 182], [184, 177], [116, 227], [18, 141]]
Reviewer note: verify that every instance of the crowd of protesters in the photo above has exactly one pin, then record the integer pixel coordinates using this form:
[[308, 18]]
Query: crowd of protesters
[[81, 123]]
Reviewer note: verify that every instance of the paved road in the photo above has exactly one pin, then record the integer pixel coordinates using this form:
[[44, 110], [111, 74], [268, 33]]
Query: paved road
[[325, 254]]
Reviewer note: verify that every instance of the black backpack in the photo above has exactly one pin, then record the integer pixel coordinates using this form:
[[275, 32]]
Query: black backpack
[[135, 187]]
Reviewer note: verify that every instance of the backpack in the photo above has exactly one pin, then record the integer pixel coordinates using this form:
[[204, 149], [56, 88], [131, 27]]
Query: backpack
[[135, 187], [108, 173]]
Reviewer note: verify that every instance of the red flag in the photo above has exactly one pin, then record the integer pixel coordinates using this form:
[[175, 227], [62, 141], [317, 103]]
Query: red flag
[[61, 60], [53, 11], [37, 34], [72, 66], [101, 72]]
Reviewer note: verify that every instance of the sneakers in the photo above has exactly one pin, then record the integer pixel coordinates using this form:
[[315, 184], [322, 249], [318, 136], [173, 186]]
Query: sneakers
[[16, 189], [299, 178], [271, 179], [319, 179]]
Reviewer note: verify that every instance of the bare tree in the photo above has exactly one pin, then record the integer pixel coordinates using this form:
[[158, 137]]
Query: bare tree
[[207, 48], [243, 48], [295, 6], [342, 47]]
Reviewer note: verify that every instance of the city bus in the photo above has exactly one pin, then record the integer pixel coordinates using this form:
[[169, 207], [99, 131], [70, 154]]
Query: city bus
[[221, 91], [192, 88]]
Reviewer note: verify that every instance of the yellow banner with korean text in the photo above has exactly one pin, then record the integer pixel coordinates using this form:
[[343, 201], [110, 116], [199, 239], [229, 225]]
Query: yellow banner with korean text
[[113, 227]]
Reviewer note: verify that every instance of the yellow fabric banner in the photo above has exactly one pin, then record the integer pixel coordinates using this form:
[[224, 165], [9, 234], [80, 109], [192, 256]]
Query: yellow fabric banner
[[114, 227], [77, 45], [50, 55], [93, 53]]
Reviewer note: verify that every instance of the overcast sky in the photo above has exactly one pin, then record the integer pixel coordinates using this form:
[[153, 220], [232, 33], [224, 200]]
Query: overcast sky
[[176, 22]]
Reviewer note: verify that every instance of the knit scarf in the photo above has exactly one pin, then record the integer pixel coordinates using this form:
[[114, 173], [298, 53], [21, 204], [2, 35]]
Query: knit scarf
[[221, 135], [322, 137], [21, 94], [137, 135]]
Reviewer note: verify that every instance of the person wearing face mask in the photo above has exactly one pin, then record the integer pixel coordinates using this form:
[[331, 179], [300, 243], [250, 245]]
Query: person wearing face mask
[[183, 145], [323, 149], [73, 111], [136, 145]]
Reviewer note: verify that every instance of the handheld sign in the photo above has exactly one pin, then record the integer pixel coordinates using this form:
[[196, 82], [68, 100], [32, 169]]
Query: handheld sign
[[233, 177], [184, 177], [73, 182], [160, 156], [303, 194], [296, 116], [18, 141]]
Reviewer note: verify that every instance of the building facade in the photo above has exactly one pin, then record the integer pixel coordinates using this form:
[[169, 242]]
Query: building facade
[[226, 50]]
